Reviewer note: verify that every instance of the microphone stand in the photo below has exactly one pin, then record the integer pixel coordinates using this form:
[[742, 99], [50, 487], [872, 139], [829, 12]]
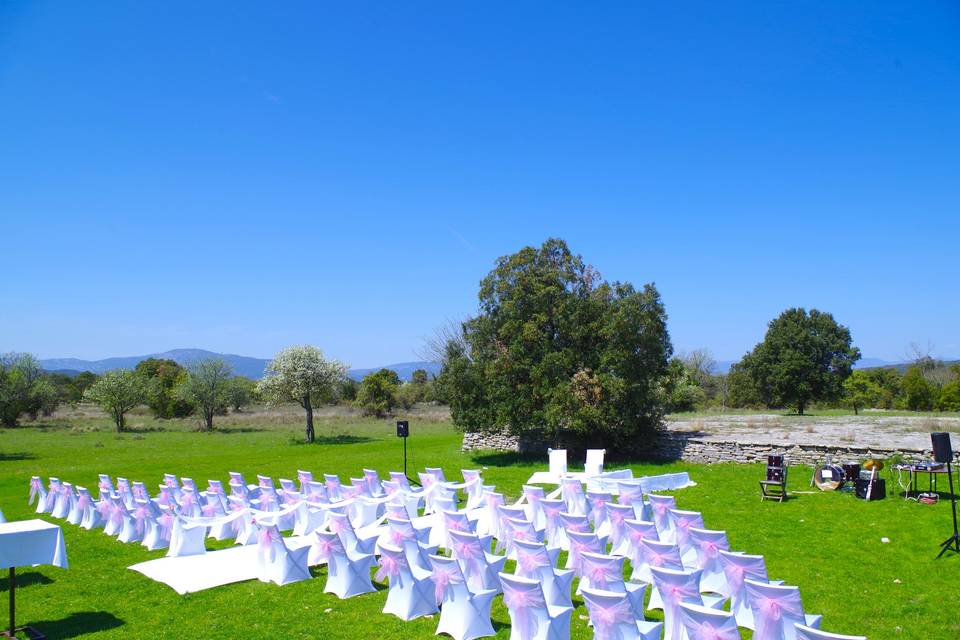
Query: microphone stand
[[953, 542]]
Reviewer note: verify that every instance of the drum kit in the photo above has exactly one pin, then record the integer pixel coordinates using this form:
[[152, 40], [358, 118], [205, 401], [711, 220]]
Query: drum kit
[[844, 476]]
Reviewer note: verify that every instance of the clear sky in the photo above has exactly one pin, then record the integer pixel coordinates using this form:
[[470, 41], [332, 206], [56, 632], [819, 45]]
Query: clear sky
[[244, 177]]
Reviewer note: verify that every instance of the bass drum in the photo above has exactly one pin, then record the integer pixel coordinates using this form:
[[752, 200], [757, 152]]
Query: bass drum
[[829, 477]]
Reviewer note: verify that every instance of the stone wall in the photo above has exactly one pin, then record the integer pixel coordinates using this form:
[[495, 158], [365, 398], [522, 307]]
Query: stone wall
[[710, 450]]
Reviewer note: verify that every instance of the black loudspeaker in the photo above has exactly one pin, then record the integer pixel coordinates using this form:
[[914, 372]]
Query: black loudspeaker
[[862, 485], [403, 429], [942, 450]]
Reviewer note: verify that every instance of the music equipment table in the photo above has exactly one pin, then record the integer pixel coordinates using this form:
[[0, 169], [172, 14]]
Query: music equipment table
[[913, 471]]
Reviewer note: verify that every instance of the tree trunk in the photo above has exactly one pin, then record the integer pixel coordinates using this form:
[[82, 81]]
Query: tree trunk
[[309, 409], [118, 418], [855, 412], [800, 408], [208, 417]]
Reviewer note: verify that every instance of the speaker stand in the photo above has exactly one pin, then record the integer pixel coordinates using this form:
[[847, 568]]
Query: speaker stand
[[953, 542]]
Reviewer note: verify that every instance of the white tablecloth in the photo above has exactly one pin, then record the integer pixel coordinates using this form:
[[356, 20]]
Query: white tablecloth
[[31, 542]]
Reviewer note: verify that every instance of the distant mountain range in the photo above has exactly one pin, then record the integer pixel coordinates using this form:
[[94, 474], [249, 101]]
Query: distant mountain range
[[723, 366], [241, 365]]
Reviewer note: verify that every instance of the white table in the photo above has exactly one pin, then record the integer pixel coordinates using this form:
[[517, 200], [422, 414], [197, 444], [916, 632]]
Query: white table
[[29, 543]]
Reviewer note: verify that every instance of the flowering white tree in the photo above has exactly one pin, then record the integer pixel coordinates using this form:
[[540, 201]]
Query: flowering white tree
[[301, 374]]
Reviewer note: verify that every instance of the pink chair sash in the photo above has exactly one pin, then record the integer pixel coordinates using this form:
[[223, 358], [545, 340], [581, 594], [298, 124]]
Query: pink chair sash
[[521, 602], [600, 574], [673, 595], [605, 619], [530, 561], [84, 501], [326, 547], [390, 566], [471, 554], [442, 578], [209, 510], [165, 521], [770, 612], [36, 489], [140, 515], [706, 631], [268, 541]]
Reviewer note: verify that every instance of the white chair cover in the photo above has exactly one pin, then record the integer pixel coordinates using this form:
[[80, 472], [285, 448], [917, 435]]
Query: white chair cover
[[373, 482], [278, 564], [553, 533], [682, 522], [304, 478], [571, 492], [478, 565], [532, 498], [617, 516], [634, 532], [340, 524], [186, 539], [630, 492], [531, 616], [614, 618], [90, 518], [661, 555], [64, 501], [597, 511], [412, 592], [265, 481], [464, 614], [676, 587], [660, 506], [159, 531], [558, 462], [38, 494], [594, 463], [776, 609], [348, 573], [537, 562], [514, 529], [704, 623], [579, 543], [736, 568], [708, 545], [53, 491]]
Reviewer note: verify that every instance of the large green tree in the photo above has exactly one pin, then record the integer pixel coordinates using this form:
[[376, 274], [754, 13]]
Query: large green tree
[[117, 392], [162, 377], [804, 358], [860, 391], [377, 394], [555, 348], [206, 387], [23, 388], [301, 374]]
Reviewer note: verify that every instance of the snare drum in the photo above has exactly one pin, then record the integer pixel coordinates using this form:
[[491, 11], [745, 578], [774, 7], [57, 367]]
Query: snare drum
[[829, 477]]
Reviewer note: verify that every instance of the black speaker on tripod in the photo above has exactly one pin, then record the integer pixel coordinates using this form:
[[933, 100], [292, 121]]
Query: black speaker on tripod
[[943, 452]]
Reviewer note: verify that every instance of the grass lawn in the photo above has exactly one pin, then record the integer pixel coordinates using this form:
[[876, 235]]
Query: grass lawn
[[828, 544]]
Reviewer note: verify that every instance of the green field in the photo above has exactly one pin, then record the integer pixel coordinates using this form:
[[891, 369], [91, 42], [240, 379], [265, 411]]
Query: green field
[[828, 544]]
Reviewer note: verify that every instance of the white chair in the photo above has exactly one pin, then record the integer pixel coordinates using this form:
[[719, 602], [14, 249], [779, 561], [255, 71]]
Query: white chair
[[653, 554], [104, 484], [553, 531], [597, 511], [634, 532], [580, 543], [91, 517], [334, 488], [134, 522], [38, 493], [464, 614], [75, 514], [116, 515], [594, 463], [533, 496], [352, 540], [808, 633], [478, 565], [514, 529], [489, 520], [617, 516], [704, 623], [53, 490], [531, 616], [571, 492], [736, 568], [190, 503], [676, 587], [412, 592], [348, 573], [373, 482], [413, 541], [660, 507], [159, 532], [614, 617], [455, 521], [474, 489], [316, 492], [140, 492], [304, 478], [776, 609], [278, 564], [682, 522], [708, 545], [537, 562], [265, 481], [64, 500], [558, 462], [630, 493], [186, 540], [605, 573]]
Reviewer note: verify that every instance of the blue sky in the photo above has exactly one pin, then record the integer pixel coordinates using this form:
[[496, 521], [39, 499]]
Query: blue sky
[[242, 178]]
